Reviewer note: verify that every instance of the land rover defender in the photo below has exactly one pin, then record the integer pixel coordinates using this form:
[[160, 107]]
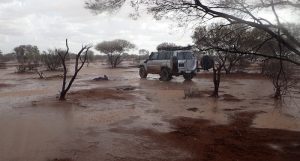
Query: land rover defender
[[170, 63]]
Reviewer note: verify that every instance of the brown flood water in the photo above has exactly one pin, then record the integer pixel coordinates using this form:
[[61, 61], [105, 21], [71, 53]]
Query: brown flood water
[[130, 119]]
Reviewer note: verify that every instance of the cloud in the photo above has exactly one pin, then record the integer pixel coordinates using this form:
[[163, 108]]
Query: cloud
[[47, 23]]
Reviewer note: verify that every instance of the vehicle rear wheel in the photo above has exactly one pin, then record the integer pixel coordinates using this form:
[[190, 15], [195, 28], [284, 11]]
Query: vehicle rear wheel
[[165, 74], [143, 73], [188, 76]]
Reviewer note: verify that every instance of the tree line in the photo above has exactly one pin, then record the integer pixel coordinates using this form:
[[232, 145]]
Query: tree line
[[210, 42], [29, 57]]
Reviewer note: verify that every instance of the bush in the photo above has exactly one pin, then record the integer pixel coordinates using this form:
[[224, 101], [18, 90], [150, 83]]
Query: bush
[[51, 59], [28, 57]]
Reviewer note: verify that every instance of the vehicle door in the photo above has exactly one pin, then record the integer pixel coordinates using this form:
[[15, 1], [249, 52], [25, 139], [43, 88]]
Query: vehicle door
[[168, 59], [158, 63], [187, 62], [164, 60], [152, 63], [190, 61]]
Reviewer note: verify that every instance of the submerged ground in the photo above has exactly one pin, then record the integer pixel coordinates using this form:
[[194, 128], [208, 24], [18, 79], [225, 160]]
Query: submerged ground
[[130, 119]]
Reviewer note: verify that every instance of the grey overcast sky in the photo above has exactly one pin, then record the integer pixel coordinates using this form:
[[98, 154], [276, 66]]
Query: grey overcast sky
[[47, 23]]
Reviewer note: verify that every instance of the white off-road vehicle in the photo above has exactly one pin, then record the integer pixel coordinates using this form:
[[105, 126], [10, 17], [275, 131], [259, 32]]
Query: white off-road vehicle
[[170, 63]]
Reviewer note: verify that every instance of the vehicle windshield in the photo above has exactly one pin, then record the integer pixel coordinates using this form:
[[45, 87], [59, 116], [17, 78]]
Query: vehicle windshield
[[185, 55]]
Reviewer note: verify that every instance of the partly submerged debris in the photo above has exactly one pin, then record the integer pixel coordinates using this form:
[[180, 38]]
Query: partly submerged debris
[[104, 78]]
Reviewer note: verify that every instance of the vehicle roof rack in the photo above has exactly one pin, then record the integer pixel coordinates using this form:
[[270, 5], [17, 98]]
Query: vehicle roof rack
[[178, 48]]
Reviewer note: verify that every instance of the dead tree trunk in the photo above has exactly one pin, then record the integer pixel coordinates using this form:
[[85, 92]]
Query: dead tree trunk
[[87, 62], [280, 81], [228, 69], [78, 66], [216, 80], [217, 74], [232, 62]]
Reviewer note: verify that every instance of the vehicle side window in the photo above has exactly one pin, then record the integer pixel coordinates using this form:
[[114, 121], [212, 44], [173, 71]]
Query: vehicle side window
[[188, 56], [184, 55], [154, 56], [180, 56], [165, 55], [168, 55], [162, 55]]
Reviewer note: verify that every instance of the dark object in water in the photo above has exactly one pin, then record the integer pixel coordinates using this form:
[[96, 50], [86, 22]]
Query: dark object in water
[[126, 88], [194, 109], [104, 78]]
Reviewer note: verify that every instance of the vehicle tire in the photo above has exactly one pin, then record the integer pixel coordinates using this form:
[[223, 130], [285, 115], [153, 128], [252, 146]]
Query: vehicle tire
[[143, 73], [188, 76], [165, 74]]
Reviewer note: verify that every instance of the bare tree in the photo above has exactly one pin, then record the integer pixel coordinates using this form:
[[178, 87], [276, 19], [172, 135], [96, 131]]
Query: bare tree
[[80, 60], [222, 39], [281, 75], [205, 40], [244, 12], [219, 63], [114, 50], [232, 62], [215, 39]]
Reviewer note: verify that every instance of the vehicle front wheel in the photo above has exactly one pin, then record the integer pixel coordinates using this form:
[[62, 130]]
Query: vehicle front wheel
[[188, 76], [143, 73], [165, 74]]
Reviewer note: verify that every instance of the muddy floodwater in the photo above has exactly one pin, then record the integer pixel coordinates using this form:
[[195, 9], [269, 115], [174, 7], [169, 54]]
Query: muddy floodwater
[[131, 119]]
